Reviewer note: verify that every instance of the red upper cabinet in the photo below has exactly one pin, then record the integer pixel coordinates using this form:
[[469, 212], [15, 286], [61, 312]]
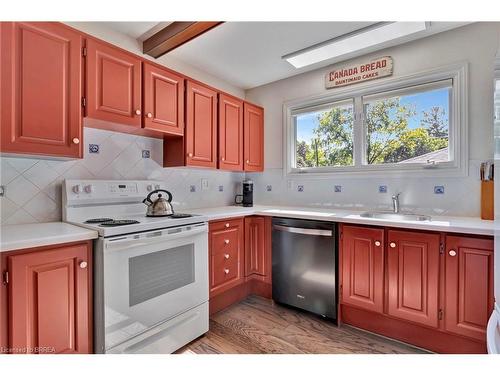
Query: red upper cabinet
[[49, 300], [413, 276], [201, 126], [113, 84], [41, 89], [230, 133], [254, 138], [363, 267], [163, 100], [468, 285]]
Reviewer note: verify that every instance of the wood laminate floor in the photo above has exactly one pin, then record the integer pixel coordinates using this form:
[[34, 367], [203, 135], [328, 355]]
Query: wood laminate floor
[[257, 325]]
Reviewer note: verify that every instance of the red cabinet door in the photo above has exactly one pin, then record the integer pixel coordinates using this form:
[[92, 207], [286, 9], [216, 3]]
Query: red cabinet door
[[255, 246], [163, 100], [201, 126], [40, 89], [49, 298], [363, 267], [230, 133], [468, 285], [413, 276], [253, 123], [113, 84]]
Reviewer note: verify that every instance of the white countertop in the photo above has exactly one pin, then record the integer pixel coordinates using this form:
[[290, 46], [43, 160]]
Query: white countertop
[[453, 224], [23, 236]]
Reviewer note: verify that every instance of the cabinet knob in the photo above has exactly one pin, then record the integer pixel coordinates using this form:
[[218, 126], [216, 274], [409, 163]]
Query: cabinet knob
[[226, 241], [248, 161], [392, 244], [190, 154], [150, 115], [452, 253], [226, 270], [137, 111], [76, 141], [226, 256], [377, 243], [83, 264], [227, 225], [223, 159]]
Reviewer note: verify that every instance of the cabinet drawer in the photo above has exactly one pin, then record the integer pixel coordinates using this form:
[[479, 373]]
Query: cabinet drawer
[[220, 225], [225, 240], [223, 270]]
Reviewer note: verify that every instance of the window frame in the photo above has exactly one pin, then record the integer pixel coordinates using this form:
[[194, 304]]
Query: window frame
[[458, 126]]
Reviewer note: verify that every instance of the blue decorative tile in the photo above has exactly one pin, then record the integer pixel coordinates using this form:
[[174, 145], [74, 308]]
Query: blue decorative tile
[[146, 154], [300, 188], [439, 189], [93, 148], [221, 188], [382, 189], [192, 188], [337, 189], [269, 188]]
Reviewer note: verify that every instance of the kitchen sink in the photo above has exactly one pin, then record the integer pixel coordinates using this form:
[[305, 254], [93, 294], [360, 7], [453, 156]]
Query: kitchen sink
[[387, 215]]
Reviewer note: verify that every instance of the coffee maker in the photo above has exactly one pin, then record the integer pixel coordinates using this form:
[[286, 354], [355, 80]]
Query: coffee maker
[[245, 199]]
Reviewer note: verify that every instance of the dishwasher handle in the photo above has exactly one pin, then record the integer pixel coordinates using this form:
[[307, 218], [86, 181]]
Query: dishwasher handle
[[309, 232]]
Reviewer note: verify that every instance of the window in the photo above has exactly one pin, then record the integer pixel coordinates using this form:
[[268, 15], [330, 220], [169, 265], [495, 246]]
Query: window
[[414, 124], [324, 136]]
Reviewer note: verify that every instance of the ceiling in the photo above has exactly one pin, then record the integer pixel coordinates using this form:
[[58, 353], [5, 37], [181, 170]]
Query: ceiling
[[248, 54]]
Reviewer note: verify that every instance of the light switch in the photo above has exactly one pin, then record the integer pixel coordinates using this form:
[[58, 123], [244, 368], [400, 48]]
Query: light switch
[[204, 184]]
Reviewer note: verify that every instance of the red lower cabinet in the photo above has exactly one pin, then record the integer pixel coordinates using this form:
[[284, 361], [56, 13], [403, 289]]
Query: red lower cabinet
[[413, 276], [468, 285], [363, 267], [50, 300]]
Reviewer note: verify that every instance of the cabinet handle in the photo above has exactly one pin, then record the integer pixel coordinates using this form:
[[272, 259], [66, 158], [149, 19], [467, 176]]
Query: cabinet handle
[[150, 115], [83, 264], [137, 112], [226, 270], [226, 241], [452, 253], [377, 243], [76, 141], [227, 225], [392, 244], [226, 256]]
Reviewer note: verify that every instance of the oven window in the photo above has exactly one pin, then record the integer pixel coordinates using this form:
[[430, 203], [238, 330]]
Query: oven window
[[151, 275]]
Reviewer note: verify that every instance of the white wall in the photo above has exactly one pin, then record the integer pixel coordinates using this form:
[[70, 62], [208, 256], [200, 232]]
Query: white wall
[[477, 44], [128, 43]]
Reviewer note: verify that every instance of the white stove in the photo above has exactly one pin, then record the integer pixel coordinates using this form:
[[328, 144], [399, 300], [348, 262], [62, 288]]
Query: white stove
[[150, 273], [86, 200]]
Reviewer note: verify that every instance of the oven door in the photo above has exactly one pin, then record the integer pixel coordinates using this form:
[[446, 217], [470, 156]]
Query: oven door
[[152, 277]]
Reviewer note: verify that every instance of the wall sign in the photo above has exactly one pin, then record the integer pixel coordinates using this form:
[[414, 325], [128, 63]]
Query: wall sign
[[348, 75]]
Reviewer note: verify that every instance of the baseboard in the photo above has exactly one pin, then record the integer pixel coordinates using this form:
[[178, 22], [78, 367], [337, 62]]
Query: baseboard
[[427, 338]]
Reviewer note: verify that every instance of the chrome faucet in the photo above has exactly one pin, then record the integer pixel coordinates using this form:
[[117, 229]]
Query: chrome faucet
[[395, 203]]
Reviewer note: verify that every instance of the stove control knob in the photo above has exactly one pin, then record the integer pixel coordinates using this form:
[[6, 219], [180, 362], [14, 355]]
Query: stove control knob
[[149, 187], [77, 189], [89, 189]]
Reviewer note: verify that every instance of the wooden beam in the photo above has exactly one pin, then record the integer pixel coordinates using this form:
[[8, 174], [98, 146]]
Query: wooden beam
[[174, 35]]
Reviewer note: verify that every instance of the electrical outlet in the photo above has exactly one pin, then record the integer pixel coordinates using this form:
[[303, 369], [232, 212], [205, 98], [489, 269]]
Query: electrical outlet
[[204, 184]]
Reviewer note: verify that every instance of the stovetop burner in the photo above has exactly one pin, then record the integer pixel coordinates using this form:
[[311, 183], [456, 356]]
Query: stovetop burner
[[117, 223], [98, 220], [180, 216]]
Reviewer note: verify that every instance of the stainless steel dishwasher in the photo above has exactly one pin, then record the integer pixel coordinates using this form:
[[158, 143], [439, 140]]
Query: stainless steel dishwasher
[[304, 256]]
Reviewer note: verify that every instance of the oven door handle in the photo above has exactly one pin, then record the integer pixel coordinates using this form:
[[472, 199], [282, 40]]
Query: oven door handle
[[128, 242]]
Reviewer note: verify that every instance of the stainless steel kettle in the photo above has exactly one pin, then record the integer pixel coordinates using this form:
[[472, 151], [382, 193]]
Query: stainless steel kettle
[[160, 206]]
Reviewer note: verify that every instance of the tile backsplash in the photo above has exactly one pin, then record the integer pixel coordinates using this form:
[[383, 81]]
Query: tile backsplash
[[33, 186], [453, 196]]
